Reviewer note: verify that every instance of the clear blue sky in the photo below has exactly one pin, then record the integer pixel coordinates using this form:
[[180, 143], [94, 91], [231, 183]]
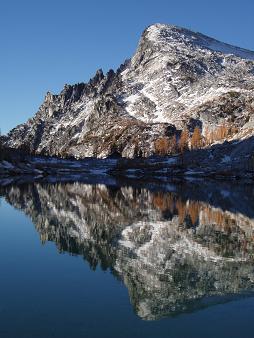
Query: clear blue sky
[[47, 43]]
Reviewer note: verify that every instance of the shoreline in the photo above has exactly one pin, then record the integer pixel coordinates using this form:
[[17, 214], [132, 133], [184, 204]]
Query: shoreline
[[164, 169]]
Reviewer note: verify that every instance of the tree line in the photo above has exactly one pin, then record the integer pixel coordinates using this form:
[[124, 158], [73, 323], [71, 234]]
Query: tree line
[[173, 145]]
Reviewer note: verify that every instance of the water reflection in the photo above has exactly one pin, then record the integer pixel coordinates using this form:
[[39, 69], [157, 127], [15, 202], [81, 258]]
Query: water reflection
[[176, 248]]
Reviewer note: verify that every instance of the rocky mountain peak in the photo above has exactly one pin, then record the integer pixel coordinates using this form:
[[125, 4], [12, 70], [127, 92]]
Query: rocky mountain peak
[[167, 35], [176, 79]]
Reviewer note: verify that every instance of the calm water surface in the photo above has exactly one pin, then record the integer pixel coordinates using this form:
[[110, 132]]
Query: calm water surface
[[80, 260]]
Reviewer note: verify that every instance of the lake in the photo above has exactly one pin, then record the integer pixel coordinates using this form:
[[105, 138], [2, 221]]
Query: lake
[[127, 259]]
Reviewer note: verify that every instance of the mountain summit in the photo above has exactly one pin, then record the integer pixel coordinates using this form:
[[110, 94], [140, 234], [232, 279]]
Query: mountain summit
[[176, 80]]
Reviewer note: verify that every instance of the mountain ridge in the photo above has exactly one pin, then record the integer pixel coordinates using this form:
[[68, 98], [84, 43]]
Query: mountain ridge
[[174, 80]]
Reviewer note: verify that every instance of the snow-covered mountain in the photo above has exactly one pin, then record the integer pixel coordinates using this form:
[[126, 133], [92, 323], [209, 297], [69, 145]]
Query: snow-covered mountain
[[177, 78]]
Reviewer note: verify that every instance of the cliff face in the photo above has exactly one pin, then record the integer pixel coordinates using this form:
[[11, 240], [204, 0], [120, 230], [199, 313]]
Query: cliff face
[[176, 79], [171, 252]]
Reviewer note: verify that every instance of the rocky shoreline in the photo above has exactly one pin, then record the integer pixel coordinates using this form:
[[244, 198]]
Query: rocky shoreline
[[178, 167]]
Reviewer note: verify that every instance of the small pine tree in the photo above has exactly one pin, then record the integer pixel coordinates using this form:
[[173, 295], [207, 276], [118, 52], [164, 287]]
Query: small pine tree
[[208, 137], [161, 146], [183, 142], [196, 139]]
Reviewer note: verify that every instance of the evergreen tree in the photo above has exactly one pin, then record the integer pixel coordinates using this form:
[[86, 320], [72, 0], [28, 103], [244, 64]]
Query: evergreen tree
[[183, 142], [196, 139]]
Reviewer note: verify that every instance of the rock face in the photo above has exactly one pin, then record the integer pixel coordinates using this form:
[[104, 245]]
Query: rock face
[[173, 253], [176, 79]]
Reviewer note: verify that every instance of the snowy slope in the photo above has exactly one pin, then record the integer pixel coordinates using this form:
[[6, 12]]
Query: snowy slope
[[177, 69]]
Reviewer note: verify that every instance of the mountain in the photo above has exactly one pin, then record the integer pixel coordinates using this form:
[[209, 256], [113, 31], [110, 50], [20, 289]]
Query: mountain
[[177, 79]]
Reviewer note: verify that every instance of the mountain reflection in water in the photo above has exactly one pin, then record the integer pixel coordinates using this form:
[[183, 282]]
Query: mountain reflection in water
[[175, 251]]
